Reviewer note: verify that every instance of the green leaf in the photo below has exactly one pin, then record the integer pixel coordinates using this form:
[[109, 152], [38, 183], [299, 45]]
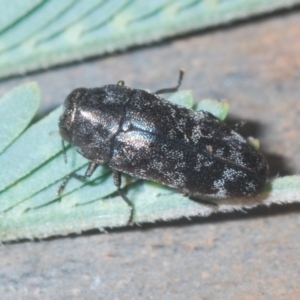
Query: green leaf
[[13, 119], [183, 98], [34, 164], [12, 14], [217, 108], [38, 144], [35, 34], [152, 202]]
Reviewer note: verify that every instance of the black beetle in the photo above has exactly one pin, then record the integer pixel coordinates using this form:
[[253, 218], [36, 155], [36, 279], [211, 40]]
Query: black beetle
[[141, 134]]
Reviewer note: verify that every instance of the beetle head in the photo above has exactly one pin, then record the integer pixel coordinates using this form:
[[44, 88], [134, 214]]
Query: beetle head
[[67, 118], [88, 122]]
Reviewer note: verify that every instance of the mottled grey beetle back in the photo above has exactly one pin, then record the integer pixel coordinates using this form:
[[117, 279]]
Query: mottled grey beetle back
[[190, 151], [146, 136]]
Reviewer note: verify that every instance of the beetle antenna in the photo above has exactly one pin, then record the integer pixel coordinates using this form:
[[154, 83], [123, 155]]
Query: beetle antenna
[[64, 151], [173, 89]]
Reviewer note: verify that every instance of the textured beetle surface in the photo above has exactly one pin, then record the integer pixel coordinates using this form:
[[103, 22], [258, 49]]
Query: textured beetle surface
[[146, 136]]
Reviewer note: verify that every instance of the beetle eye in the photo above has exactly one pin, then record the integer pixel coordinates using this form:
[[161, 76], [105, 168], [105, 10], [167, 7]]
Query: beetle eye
[[64, 133]]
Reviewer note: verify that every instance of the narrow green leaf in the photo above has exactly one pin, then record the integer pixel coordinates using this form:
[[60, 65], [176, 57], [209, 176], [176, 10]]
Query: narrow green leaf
[[38, 144], [217, 108], [17, 108], [37, 34], [50, 172], [151, 202], [13, 11], [49, 194], [183, 98], [73, 16], [34, 21]]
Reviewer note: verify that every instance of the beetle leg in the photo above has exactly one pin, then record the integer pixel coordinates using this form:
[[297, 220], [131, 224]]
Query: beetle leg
[[204, 202], [88, 173], [117, 182], [64, 150], [173, 89], [90, 170]]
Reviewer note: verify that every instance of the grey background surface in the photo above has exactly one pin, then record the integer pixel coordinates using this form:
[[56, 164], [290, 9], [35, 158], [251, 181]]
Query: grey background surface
[[251, 255]]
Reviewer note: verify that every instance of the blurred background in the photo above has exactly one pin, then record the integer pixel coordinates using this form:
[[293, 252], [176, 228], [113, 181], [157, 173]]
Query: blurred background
[[245, 51]]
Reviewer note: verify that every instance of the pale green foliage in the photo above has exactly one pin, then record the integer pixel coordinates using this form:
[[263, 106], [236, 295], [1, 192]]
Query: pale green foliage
[[32, 168], [35, 34]]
